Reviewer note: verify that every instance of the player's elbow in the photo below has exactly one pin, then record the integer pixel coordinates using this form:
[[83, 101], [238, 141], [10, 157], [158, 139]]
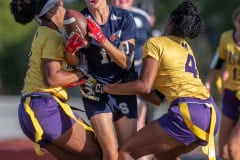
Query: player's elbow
[[50, 81], [144, 88]]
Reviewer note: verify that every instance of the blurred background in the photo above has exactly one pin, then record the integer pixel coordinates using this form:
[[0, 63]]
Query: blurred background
[[15, 42]]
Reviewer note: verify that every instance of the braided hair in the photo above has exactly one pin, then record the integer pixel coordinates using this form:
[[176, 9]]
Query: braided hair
[[24, 11], [188, 22]]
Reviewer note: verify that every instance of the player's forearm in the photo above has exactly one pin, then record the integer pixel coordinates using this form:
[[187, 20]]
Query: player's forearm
[[130, 88], [62, 78], [115, 54], [152, 98], [72, 59]]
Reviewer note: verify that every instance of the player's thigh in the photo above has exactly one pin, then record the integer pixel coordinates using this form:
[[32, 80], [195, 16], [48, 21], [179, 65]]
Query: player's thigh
[[150, 139], [78, 140], [226, 127], [59, 152], [174, 154], [125, 128], [104, 130]]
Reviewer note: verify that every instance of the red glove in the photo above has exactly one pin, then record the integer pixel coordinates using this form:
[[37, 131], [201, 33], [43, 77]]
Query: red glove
[[94, 31], [78, 83], [75, 42]]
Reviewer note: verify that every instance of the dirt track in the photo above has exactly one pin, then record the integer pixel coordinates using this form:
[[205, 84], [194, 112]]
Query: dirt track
[[20, 149]]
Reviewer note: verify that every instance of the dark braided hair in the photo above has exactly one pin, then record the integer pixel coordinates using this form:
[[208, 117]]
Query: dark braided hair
[[188, 22], [24, 11]]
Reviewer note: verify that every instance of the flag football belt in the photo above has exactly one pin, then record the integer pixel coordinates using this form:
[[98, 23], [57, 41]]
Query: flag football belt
[[209, 149], [38, 129]]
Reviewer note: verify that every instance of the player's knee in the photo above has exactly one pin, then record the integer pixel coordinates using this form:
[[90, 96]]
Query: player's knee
[[233, 151]]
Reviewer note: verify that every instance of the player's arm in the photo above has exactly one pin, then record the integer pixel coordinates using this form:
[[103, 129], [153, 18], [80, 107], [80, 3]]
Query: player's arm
[[73, 44], [138, 87], [124, 55], [126, 47], [54, 76], [215, 70], [154, 97]]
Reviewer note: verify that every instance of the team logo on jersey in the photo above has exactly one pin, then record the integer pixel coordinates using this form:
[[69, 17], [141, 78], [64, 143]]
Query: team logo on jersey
[[115, 35], [114, 17]]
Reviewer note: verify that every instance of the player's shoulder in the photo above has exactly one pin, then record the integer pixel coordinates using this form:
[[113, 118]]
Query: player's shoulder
[[160, 39], [119, 12], [227, 34]]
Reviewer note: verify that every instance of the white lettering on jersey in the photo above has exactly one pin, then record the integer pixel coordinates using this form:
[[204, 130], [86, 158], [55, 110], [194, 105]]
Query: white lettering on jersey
[[114, 17]]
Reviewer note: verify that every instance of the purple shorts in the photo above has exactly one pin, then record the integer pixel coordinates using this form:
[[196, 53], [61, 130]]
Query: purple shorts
[[172, 122], [231, 105], [49, 114]]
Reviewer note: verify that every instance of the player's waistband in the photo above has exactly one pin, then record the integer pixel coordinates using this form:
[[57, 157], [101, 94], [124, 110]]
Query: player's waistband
[[192, 100]]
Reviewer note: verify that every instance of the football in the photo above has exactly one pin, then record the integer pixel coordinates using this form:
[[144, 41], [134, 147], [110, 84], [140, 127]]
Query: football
[[74, 21]]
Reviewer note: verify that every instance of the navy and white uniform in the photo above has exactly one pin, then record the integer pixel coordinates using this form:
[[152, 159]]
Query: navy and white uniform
[[119, 27]]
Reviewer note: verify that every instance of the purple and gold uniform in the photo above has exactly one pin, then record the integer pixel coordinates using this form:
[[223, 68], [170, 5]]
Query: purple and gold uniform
[[193, 115], [119, 28], [228, 51], [43, 112]]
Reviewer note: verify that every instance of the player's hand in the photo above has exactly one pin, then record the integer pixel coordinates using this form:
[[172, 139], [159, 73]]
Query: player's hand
[[91, 89], [75, 42], [208, 86], [95, 32]]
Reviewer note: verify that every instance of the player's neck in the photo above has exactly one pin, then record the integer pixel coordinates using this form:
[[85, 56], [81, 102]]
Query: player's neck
[[101, 14]]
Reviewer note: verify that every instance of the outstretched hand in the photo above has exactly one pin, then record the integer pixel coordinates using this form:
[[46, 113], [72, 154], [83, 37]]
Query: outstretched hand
[[75, 42], [95, 32]]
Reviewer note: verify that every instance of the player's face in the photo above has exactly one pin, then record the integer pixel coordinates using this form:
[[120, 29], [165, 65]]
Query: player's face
[[237, 23], [125, 4], [59, 13], [94, 3]]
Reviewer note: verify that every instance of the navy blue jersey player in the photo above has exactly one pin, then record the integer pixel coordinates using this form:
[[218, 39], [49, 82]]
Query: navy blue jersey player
[[110, 60]]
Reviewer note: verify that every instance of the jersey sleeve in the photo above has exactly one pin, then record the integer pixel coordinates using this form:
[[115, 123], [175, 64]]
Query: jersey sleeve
[[152, 48], [53, 48], [129, 28], [221, 46]]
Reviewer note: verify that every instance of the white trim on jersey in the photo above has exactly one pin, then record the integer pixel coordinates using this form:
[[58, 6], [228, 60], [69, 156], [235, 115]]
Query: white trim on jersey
[[214, 61], [141, 11]]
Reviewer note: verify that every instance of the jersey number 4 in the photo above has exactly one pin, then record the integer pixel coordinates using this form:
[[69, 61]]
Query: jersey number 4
[[190, 66]]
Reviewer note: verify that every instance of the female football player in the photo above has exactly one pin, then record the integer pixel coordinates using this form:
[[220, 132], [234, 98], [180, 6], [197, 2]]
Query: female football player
[[169, 66], [228, 52], [110, 60], [44, 115]]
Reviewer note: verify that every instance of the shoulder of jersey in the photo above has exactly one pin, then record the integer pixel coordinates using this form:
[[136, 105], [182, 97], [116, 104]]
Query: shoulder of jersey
[[141, 12]]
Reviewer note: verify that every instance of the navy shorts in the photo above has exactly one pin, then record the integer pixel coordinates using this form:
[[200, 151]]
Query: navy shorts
[[49, 114], [173, 123], [117, 104], [231, 105]]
